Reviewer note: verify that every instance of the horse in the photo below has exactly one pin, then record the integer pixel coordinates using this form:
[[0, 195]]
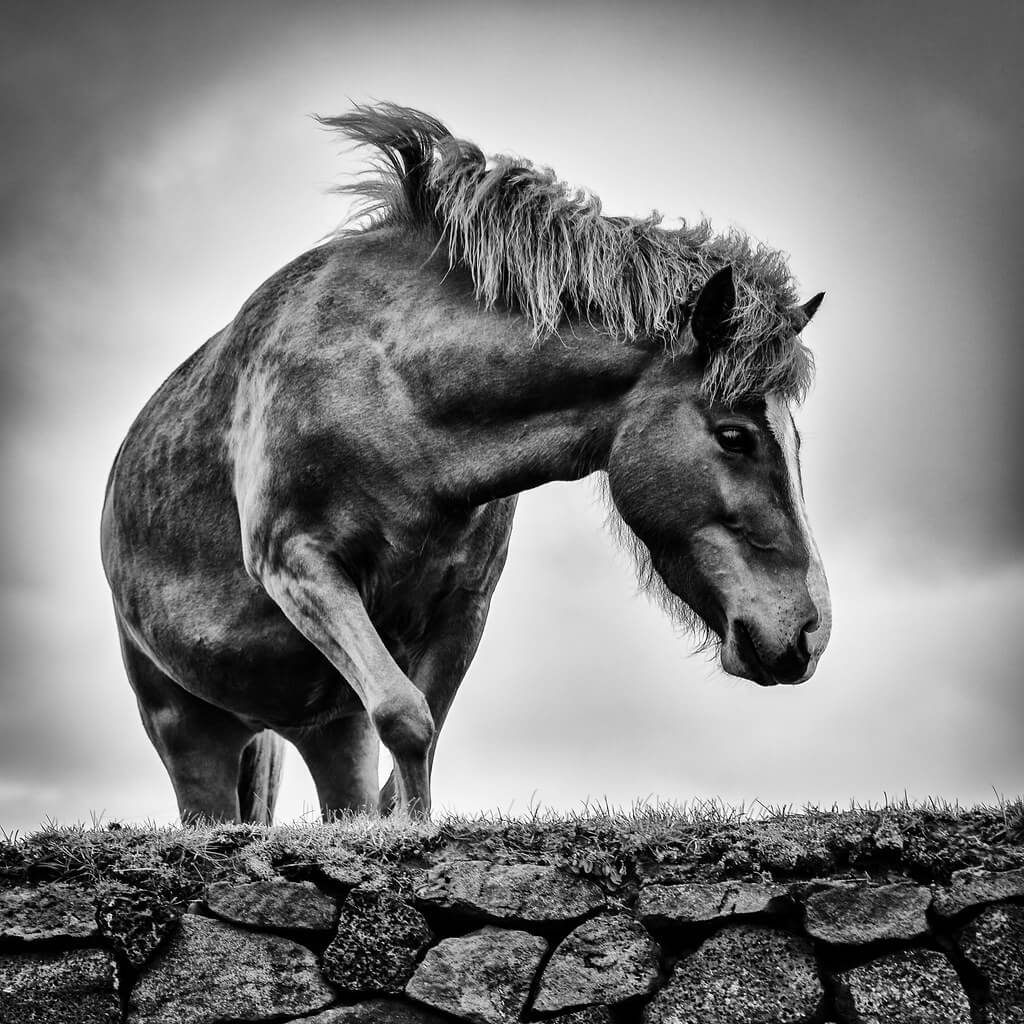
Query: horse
[[303, 528]]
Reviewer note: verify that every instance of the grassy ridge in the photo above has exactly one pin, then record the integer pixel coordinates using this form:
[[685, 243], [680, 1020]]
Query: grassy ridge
[[705, 841]]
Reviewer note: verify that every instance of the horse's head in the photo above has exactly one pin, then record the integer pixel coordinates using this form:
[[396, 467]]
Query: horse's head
[[713, 493]]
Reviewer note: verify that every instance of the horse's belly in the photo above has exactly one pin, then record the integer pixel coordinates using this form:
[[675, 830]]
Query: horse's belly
[[271, 685]]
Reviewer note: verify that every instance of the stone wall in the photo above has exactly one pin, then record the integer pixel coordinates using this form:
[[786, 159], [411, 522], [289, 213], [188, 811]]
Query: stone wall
[[347, 939]]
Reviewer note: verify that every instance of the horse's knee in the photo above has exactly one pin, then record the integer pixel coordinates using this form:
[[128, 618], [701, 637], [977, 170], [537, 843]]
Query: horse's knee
[[405, 724]]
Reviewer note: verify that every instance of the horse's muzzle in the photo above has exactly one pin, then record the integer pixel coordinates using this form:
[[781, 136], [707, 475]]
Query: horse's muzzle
[[792, 665]]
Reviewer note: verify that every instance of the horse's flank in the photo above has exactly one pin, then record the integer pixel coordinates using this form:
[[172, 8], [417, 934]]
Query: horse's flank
[[531, 243]]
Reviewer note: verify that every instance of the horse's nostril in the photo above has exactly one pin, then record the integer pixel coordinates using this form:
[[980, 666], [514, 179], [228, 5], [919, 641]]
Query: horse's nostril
[[793, 663], [802, 647]]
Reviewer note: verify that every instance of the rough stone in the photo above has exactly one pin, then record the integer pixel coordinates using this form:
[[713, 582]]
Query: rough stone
[[994, 943], [378, 1011], [378, 942], [509, 892], [347, 869], [664, 873], [915, 986], [858, 914], [588, 1015], [76, 987], [973, 887], [665, 905], [55, 911], [135, 922], [258, 866], [605, 960], [741, 975], [483, 977], [210, 971], [287, 906]]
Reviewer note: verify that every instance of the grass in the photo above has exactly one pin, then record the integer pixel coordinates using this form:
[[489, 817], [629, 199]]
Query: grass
[[706, 840]]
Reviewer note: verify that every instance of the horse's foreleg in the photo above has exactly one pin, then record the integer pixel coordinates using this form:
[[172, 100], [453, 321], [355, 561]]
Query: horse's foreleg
[[342, 758], [325, 606], [439, 671], [200, 745]]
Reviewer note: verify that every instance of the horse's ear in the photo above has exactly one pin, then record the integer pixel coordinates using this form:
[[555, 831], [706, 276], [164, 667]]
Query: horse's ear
[[712, 311], [810, 307]]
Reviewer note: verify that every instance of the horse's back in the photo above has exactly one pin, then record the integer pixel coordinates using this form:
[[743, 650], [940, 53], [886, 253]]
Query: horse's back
[[170, 498]]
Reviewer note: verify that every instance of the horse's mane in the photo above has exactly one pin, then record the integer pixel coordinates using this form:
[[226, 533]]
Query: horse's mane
[[530, 241]]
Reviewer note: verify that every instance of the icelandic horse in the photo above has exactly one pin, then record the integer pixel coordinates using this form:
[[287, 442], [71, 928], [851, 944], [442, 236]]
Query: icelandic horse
[[304, 526]]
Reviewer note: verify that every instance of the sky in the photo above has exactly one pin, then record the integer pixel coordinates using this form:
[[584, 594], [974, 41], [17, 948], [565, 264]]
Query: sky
[[160, 161]]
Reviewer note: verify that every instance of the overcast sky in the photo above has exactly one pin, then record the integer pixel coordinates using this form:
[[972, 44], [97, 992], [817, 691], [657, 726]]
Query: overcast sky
[[159, 163]]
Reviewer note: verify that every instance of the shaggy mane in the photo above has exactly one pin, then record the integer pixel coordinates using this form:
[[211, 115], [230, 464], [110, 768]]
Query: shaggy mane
[[530, 241]]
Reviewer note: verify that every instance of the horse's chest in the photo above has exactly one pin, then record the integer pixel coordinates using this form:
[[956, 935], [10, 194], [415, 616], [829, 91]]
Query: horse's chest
[[413, 596]]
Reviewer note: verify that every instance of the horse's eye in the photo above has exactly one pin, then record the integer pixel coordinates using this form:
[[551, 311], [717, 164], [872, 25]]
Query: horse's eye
[[735, 439]]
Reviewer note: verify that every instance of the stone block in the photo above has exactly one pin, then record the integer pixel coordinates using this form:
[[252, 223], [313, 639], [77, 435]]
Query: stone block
[[273, 905], [55, 911], [973, 887], [210, 971], [741, 975], [379, 939], [347, 869], [378, 1011], [661, 906], [915, 986], [135, 922], [76, 987], [605, 960], [859, 914], [994, 943], [482, 978], [588, 1015], [509, 892]]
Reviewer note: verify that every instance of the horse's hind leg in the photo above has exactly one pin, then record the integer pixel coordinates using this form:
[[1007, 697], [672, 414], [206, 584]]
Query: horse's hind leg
[[259, 778], [200, 745], [342, 758]]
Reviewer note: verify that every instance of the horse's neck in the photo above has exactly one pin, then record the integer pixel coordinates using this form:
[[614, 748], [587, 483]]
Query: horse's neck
[[492, 412], [515, 414]]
